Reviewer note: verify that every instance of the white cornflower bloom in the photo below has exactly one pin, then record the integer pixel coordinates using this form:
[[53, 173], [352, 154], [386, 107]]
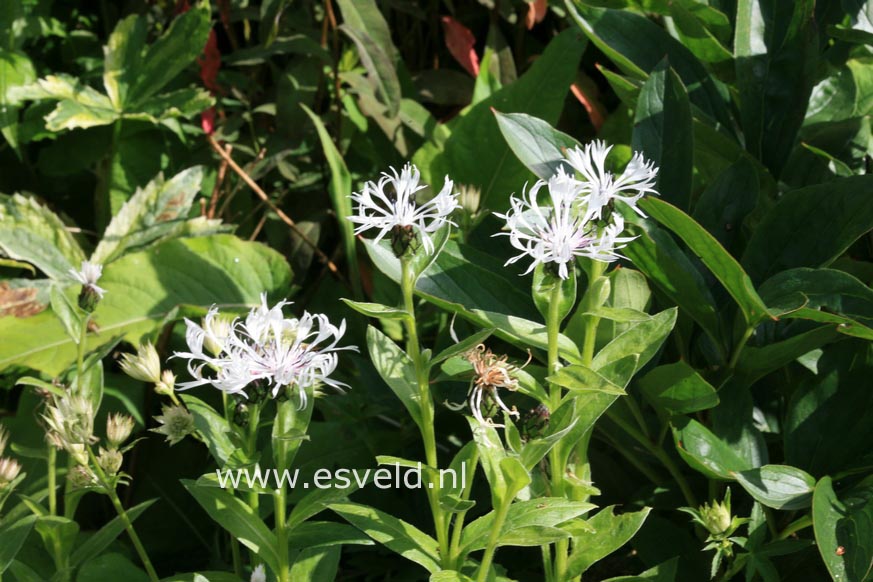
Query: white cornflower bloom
[[390, 206], [267, 348], [258, 574], [88, 275], [602, 186], [553, 233]]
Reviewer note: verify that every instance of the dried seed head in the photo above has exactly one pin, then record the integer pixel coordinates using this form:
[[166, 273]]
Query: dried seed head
[[176, 423], [491, 372], [118, 429], [144, 366]]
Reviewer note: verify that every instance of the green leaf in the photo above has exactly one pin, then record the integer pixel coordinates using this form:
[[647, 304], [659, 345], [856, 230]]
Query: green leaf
[[170, 54], [123, 58], [12, 536], [697, 26], [31, 232], [314, 502], [636, 45], [232, 514], [143, 289], [775, 51], [543, 288], [754, 363], [153, 213], [181, 103], [322, 534], [843, 532], [726, 202], [540, 92], [16, 70], [540, 512], [289, 431], [376, 310], [379, 67], [70, 316], [705, 452], [107, 534], [395, 534], [665, 572], [642, 340], [111, 567], [461, 347], [213, 427], [316, 564], [578, 378], [677, 388], [365, 15], [725, 268], [662, 131], [610, 533], [778, 486], [536, 144], [396, 369]]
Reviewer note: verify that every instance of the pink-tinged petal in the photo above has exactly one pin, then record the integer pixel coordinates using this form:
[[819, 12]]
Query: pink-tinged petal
[[536, 11], [462, 44], [207, 121]]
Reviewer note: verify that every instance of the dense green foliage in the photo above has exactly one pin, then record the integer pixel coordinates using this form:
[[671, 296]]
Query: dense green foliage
[[708, 391]]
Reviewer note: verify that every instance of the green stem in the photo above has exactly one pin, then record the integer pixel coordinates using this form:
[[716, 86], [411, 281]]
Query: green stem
[[252, 449], [280, 507], [104, 196], [792, 528], [488, 557], [590, 303], [738, 350], [455, 545], [235, 556], [80, 352], [428, 435], [52, 480], [125, 519]]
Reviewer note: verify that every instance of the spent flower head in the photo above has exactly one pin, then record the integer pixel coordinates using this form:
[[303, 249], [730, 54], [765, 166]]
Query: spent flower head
[[176, 423], [602, 187], [556, 233], [71, 419], [391, 207], [118, 429], [266, 349], [87, 276], [491, 373], [144, 366]]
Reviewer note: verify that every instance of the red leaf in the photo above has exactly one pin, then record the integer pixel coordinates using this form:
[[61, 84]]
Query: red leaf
[[207, 121], [590, 105], [462, 44], [536, 11], [210, 62]]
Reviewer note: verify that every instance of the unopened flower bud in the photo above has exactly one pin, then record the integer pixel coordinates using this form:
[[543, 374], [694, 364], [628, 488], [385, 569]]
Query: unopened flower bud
[[176, 423], [716, 517], [81, 477], [144, 366], [87, 276], [118, 429], [9, 470], [110, 460], [167, 384]]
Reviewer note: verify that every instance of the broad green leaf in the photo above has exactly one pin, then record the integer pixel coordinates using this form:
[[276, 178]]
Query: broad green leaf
[[100, 540], [841, 208], [775, 53], [232, 514], [396, 369], [16, 70], [642, 340], [181, 103], [321, 534], [213, 427], [535, 143], [395, 534], [379, 67], [145, 288], [725, 268], [665, 572], [70, 316], [755, 362], [698, 25], [32, 233], [577, 378], [12, 536], [365, 15], [461, 347], [677, 389], [318, 500], [316, 564], [542, 512], [449, 576], [778, 486], [123, 58], [662, 131], [610, 533], [540, 92], [843, 532], [544, 286], [636, 45], [153, 213], [837, 291], [340, 189], [726, 202], [289, 431], [112, 566], [170, 54], [705, 452]]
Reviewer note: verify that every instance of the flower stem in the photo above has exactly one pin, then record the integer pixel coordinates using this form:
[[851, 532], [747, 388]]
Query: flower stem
[[556, 456], [794, 527], [252, 449], [428, 435], [458, 527], [488, 556], [52, 479], [280, 507], [125, 519]]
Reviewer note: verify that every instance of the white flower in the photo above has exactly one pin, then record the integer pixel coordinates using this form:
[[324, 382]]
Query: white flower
[[267, 348], [555, 233], [88, 275], [259, 574], [390, 206], [602, 186]]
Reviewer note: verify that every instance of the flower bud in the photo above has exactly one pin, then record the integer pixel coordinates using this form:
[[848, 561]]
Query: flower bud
[[78, 452], [118, 429], [81, 477], [167, 384], [110, 460], [144, 366], [9, 470], [87, 276], [717, 517], [176, 423]]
